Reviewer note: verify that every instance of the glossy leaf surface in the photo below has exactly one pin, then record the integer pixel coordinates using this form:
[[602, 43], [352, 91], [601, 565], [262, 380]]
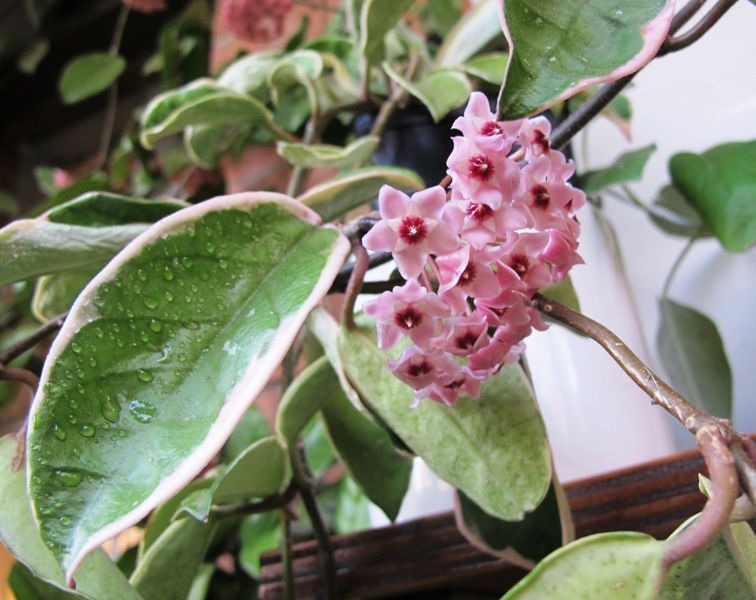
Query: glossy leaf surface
[[721, 184], [88, 75], [560, 48], [161, 356], [628, 167], [693, 355], [621, 565], [97, 578], [493, 449], [336, 197]]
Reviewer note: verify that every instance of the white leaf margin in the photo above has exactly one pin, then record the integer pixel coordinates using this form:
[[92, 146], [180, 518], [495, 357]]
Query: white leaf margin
[[244, 392], [654, 33]]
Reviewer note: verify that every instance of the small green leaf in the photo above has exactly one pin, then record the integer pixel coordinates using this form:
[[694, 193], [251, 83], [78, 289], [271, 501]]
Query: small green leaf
[[622, 565], [694, 357], [54, 294], [721, 184], [488, 67], [161, 381], [97, 578], [563, 292], [494, 449], [628, 167], [377, 18], [560, 48], [440, 91], [520, 542], [477, 27], [365, 447], [200, 103], [336, 197], [88, 75], [672, 213], [319, 156], [167, 569]]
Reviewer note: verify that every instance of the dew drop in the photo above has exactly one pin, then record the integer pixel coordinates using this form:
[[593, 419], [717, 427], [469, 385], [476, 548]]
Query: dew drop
[[144, 336], [59, 432], [68, 478], [168, 273], [144, 375], [141, 275], [110, 408], [76, 348], [87, 430], [66, 521], [210, 247], [98, 332], [182, 357], [168, 296], [92, 362], [143, 412], [151, 303], [223, 264], [156, 325], [73, 419]]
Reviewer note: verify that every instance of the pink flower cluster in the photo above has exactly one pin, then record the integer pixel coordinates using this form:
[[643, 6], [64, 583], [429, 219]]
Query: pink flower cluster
[[255, 20], [473, 258], [145, 6]]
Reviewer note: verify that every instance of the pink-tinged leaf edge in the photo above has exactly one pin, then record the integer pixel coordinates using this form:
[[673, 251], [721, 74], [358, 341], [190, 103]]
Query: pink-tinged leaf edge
[[654, 33], [243, 393]]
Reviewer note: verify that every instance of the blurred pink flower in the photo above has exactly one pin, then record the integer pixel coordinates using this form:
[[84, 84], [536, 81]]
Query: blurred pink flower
[[255, 20]]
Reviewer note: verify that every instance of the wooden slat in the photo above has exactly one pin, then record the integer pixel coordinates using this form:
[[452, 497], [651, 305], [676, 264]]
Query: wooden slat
[[430, 553]]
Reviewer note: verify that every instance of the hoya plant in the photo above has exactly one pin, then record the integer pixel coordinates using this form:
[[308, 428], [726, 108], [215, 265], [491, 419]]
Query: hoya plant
[[217, 376]]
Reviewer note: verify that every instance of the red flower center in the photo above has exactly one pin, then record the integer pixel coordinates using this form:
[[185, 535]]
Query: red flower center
[[520, 263], [468, 275], [466, 341], [413, 230], [541, 197], [480, 167], [478, 212], [408, 318], [492, 128], [540, 140], [419, 369]]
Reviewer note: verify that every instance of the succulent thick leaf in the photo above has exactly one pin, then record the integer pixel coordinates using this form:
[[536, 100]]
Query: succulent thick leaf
[[494, 449], [200, 103], [320, 156], [97, 578], [628, 167], [167, 570], [694, 357], [80, 234], [622, 565], [522, 542], [88, 75], [336, 197], [560, 48], [377, 18], [54, 294], [302, 67], [440, 91], [477, 27], [248, 74], [721, 184], [672, 213], [162, 354], [366, 448], [725, 568]]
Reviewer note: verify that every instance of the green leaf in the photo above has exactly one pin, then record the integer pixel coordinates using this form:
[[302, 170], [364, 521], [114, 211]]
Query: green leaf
[[248, 74], [622, 565], [252, 428], [725, 568], [200, 103], [520, 542], [54, 294], [377, 18], [560, 48], [365, 447], [302, 67], [336, 197], [321, 155], [721, 184], [97, 578], [477, 27], [440, 91], [88, 75], [258, 534], [26, 586], [692, 353], [302, 400], [628, 167], [167, 347], [494, 449], [672, 213], [81, 234], [488, 67], [352, 508], [167, 570]]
